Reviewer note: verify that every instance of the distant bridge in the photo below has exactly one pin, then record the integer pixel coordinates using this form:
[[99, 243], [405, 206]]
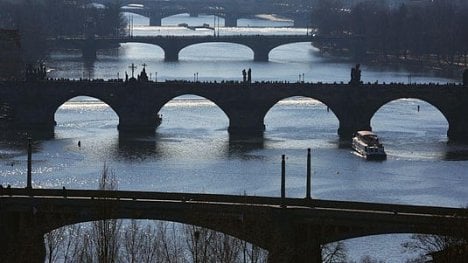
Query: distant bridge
[[261, 45], [231, 11], [32, 105], [292, 230]]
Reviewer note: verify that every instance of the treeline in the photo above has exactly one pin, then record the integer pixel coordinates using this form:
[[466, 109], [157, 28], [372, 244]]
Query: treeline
[[36, 20], [434, 31], [134, 241]]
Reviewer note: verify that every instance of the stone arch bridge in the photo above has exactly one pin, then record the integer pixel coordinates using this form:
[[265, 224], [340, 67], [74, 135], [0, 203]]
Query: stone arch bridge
[[261, 45], [292, 230], [32, 105]]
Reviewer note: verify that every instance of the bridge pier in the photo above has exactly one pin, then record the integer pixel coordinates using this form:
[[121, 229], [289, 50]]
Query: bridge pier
[[21, 239], [138, 123], [155, 19], [230, 20], [296, 243], [347, 131], [246, 122], [261, 55], [171, 54], [458, 130], [34, 119]]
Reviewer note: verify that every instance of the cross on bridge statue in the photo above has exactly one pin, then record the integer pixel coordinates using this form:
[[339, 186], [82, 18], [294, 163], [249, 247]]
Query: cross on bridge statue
[[133, 67]]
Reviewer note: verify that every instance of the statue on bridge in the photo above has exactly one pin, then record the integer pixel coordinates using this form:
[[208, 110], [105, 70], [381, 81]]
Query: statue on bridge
[[143, 77], [247, 76], [465, 78], [355, 75], [38, 73]]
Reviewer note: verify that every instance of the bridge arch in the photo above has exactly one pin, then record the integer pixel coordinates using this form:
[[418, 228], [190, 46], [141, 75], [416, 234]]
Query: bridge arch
[[217, 50], [94, 98], [296, 51], [150, 236], [405, 111], [294, 105], [139, 51], [186, 102], [84, 103]]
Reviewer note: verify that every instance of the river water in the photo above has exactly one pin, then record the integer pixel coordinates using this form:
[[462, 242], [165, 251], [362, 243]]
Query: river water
[[192, 151]]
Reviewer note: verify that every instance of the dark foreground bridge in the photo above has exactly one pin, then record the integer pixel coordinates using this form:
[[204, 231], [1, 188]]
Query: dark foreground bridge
[[261, 45], [292, 230], [32, 105]]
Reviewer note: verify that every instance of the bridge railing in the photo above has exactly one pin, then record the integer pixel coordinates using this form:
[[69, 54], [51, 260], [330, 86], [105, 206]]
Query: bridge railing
[[235, 199]]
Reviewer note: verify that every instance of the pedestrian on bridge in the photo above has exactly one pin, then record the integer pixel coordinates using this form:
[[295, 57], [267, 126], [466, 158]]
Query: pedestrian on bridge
[[244, 75], [249, 76]]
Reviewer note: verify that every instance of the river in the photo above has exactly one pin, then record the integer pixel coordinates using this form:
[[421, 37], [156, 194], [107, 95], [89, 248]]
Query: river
[[192, 151]]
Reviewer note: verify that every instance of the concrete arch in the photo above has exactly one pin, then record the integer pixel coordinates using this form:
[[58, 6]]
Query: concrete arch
[[239, 224], [393, 231], [303, 54], [226, 49], [287, 44], [175, 13], [154, 54]]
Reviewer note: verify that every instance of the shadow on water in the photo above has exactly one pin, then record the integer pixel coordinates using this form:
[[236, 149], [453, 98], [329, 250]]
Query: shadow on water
[[242, 146], [456, 151], [137, 147], [343, 143], [14, 142], [12, 133]]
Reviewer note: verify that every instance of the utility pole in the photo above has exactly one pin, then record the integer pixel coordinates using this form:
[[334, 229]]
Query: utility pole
[[309, 179], [283, 177], [29, 178]]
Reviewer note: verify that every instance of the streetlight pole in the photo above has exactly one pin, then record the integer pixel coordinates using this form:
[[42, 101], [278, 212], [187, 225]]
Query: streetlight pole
[[283, 177], [308, 183], [29, 178]]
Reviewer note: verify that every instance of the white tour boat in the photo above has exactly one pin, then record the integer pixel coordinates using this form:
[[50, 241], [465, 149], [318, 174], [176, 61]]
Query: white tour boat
[[367, 144]]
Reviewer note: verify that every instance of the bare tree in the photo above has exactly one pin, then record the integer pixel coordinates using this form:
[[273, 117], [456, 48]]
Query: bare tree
[[334, 253], [105, 234], [431, 244]]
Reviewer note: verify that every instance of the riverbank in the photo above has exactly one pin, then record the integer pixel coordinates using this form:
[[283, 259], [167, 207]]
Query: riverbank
[[427, 64]]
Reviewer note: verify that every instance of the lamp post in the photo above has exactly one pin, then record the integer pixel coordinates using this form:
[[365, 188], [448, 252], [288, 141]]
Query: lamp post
[[29, 176], [308, 182], [283, 179]]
